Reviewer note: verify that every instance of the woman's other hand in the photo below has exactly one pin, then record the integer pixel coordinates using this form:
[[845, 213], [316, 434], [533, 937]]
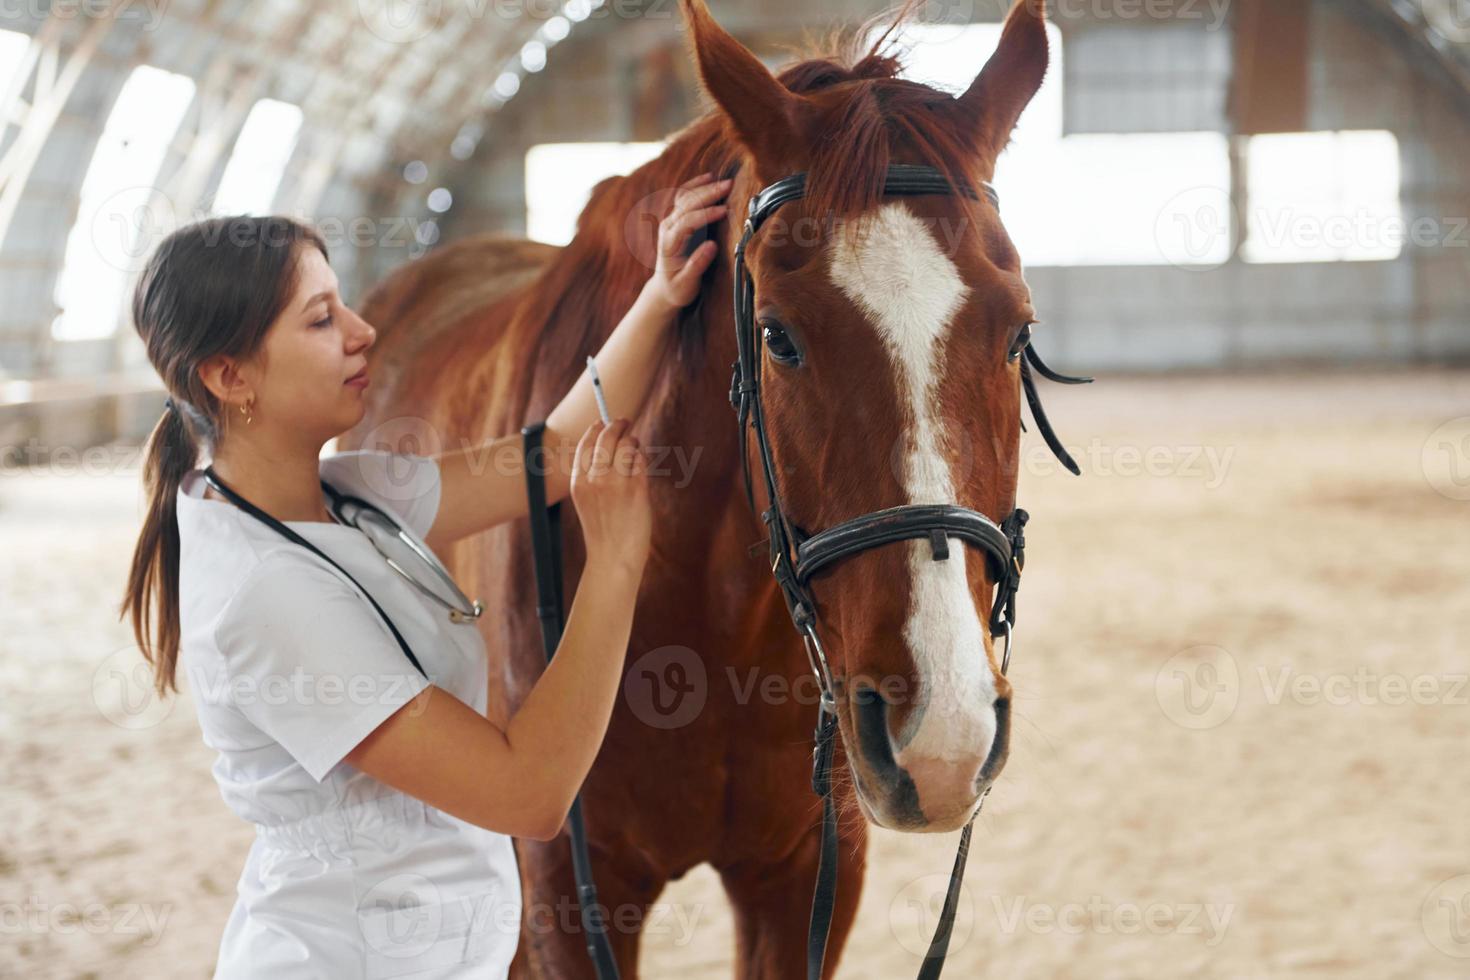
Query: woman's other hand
[[610, 492]]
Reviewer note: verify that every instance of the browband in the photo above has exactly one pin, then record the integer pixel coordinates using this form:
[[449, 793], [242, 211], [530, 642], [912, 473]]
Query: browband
[[903, 179]]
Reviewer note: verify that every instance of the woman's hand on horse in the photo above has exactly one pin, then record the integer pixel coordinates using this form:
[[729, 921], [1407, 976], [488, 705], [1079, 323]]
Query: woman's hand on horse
[[610, 491], [697, 203]]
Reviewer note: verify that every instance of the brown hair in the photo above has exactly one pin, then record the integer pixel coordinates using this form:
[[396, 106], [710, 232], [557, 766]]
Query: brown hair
[[213, 287]]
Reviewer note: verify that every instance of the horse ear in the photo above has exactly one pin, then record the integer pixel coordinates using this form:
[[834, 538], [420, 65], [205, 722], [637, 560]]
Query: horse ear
[[761, 109], [1010, 79]]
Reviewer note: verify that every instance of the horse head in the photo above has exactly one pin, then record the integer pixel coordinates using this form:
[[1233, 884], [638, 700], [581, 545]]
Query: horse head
[[890, 375]]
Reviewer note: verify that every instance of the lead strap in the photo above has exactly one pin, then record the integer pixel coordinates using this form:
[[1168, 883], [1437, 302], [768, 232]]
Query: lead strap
[[546, 553]]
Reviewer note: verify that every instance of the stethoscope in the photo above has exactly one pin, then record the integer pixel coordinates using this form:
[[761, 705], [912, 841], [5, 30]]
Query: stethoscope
[[351, 511]]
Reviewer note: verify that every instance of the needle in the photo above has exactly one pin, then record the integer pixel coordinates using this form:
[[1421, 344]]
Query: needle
[[597, 390]]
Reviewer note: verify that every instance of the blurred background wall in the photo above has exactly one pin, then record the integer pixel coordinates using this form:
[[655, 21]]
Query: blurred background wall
[[1202, 184]]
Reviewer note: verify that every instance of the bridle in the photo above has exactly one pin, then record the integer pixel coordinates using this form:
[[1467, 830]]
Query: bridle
[[796, 556]]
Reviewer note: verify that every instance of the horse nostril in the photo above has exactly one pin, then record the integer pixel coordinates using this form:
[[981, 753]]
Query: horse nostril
[[870, 718], [1001, 746]]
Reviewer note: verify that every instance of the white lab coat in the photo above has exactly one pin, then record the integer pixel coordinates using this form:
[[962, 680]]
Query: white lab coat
[[290, 668]]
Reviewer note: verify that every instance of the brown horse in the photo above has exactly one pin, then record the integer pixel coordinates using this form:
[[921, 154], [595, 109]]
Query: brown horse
[[901, 313]]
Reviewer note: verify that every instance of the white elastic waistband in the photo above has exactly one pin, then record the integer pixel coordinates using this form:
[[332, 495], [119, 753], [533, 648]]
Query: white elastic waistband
[[382, 818]]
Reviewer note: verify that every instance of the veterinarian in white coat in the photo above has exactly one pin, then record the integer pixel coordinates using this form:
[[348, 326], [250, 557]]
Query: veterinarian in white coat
[[383, 799]]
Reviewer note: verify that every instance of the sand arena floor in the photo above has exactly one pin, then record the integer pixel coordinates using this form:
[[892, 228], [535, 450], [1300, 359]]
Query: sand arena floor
[[1240, 733]]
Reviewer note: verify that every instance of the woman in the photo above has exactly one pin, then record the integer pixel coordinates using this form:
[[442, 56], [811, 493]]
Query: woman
[[383, 798]]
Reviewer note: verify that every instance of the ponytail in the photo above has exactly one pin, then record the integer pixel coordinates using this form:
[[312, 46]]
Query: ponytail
[[211, 288], [152, 597]]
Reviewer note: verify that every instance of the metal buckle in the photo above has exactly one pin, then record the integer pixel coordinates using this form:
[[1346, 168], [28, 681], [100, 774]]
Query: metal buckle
[[818, 662], [1005, 660]]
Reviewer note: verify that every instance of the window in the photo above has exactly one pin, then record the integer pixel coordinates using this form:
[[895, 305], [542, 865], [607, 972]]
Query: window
[[1138, 199], [1166, 76], [119, 214], [13, 45], [560, 178], [1085, 199], [1323, 197], [258, 161]]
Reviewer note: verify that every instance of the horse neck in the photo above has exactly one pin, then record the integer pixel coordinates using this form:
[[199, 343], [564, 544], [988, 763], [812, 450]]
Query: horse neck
[[705, 521]]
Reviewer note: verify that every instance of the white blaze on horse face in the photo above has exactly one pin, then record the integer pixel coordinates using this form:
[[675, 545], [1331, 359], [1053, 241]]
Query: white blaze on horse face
[[910, 290]]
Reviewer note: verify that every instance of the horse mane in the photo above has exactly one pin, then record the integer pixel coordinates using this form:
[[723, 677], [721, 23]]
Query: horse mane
[[846, 173], [596, 277]]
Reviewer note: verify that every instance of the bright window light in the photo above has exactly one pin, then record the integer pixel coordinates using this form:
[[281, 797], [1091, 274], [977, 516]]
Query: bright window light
[[560, 178], [949, 56], [1323, 197], [258, 161], [1088, 199], [118, 214], [13, 46], [1130, 199]]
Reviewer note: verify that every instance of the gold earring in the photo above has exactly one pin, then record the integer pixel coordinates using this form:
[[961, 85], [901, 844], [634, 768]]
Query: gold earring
[[248, 410]]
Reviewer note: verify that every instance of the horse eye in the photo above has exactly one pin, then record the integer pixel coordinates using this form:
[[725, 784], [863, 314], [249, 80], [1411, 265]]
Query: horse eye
[[1022, 339], [779, 344]]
